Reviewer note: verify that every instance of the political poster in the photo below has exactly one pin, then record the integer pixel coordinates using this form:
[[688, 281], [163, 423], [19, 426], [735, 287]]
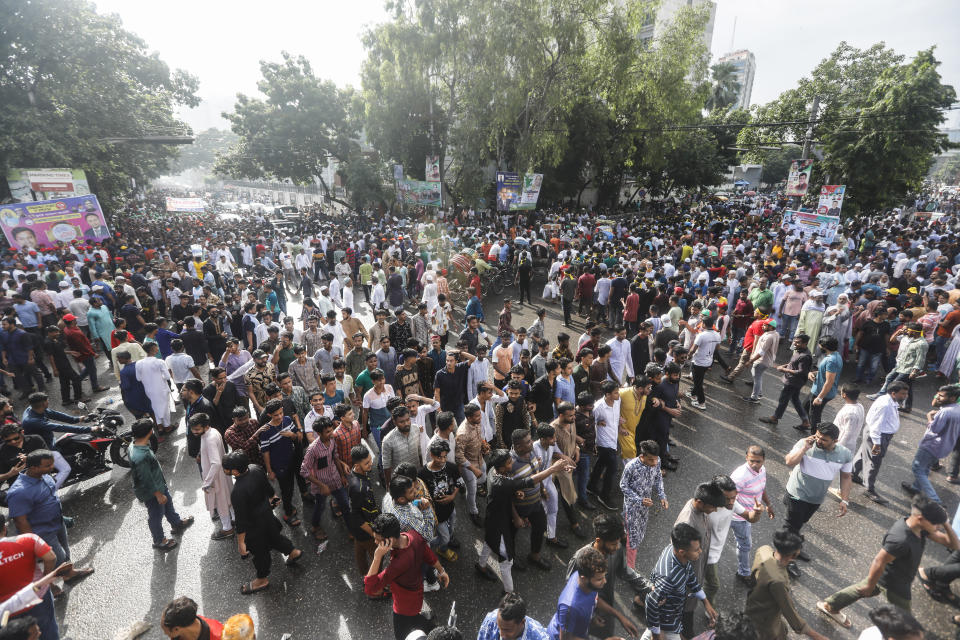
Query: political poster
[[187, 205], [35, 225], [508, 190], [530, 192], [32, 185], [419, 192], [433, 169], [810, 225], [799, 178], [831, 199]]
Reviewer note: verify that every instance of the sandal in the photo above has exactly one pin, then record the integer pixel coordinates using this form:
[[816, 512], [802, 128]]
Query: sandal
[[293, 559], [248, 590], [79, 575], [292, 520], [839, 617], [937, 592], [166, 545]]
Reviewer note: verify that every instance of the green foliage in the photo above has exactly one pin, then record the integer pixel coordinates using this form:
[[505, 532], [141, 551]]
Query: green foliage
[[69, 78], [949, 171], [723, 91], [202, 154]]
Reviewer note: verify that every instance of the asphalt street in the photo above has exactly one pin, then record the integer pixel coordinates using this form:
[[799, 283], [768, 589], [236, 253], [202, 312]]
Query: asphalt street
[[322, 597]]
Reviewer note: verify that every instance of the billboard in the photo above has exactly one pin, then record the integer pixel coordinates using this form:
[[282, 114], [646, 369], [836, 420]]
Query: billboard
[[433, 169], [32, 185], [191, 205], [530, 192], [419, 192], [799, 178], [32, 225], [508, 190], [810, 225], [831, 199]]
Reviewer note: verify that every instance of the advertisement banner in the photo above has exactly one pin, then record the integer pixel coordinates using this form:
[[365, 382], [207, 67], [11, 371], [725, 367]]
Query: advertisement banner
[[508, 190], [799, 178], [831, 199], [35, 225], [31, 185], [433, 169], [419, 192], [810, 224], [530, 192], [189, 205]]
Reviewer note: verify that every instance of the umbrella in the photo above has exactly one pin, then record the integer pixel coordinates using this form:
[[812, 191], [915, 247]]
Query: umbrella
[[741, 183], [521, 241], [541, 243], [749, 193]]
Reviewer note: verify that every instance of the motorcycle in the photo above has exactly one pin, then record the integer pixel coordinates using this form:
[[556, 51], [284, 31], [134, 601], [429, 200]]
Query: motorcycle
[[86, 452]]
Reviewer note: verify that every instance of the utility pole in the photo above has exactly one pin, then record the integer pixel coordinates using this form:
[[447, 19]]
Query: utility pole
[[807, 138]]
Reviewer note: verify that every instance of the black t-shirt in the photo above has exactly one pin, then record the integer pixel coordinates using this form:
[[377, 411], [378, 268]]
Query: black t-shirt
[[801, 362], [907, 549], [542, 393], [57, 349], [363, 505], [452, 386], [442, 483], [9, 454], [873, 337]]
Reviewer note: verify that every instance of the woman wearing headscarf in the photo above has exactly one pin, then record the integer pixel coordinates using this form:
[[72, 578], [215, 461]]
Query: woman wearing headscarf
[[811, 318], [838, 322]]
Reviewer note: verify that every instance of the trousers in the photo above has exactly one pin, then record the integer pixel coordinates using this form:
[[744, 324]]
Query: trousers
[[791, 395], [848, 595], [605, 469], [261, 542], [869, 464], [798, 512], [471, 481], [157, 512]]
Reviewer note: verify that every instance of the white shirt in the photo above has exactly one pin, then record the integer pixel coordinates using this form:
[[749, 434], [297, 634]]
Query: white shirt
[[882, 418], [706, 342], [487, 419], [720, 526], [850, 421], [608, 423], [261, 332], [180, 365], [620, 357]]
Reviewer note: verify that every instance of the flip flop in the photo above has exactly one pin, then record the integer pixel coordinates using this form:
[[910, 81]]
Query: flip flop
[[247, 590], [292, 520], [79, 575], [292, 560], [839, 617]]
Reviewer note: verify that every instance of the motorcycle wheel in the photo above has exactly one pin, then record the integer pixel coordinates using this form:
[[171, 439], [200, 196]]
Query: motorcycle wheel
[[497, 285], [120, 448]]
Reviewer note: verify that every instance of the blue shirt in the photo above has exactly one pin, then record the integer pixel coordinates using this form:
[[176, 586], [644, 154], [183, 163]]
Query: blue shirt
[[942, 432], [672, 581], [532, 630], [18, 344], [27, 312], [43, 425], [279, 447], [574, 610], [36, 498], [834, 363], [132, 391], [164, 336], [474, 308]]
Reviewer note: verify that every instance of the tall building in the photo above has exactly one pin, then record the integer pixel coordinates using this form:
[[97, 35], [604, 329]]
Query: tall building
[[659, 19], [746, 67]]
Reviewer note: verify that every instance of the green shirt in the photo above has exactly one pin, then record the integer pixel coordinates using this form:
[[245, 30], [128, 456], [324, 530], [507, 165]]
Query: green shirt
[[362, 382], [761, 298], [366, 272], [285, 358], [146, 473]]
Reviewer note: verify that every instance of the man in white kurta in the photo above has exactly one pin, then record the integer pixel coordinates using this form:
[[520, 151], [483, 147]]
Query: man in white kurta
[[215, 483], [153, 373]]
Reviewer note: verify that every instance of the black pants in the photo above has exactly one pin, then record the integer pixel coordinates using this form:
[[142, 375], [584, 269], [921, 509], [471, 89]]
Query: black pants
[[790, 395], [946, 573], [814, 412], [567, 306], [261, 542], [405, 625], [524, 286], [285, 480], [24, 375], [798, 512], [698, 375], [538, 525], [605, 467], [68, 377]]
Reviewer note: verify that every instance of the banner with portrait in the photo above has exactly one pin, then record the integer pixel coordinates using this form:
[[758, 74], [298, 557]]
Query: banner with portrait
[[419, 192], [33, 185], [799, 178], [508, 190], [433, 169], [36, 225], [831, 199], [529, 193], [795, 223]]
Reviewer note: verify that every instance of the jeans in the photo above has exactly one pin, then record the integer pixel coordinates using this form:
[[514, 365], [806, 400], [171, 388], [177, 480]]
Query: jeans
[[741, 531], [90, 369], [870, 361], [791, 395], [736, 339], [581, 475], [445, 531], [922, 462], [156, 513], [788, 324], [940, 345], [59, 543], [471, 481], [320, 502], [567, 306], [45, 615], [606, 467], [757, 372], [698, 375], [68, 378]]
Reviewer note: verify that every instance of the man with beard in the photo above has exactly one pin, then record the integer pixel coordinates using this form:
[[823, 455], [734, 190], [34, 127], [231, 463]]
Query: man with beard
[[666, 392], [940, 438], [511, 415], [402, 444]]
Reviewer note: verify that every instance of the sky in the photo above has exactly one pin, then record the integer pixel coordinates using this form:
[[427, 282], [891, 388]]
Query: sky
[[222, 42]]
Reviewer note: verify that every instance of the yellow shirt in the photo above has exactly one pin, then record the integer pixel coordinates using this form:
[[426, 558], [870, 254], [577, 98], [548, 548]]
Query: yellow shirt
[[630, 411]]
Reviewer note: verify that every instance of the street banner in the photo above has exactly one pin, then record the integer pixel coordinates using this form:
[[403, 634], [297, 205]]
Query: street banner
[[799, 178], [398, 172], [433, 169], [810, 225], [508, 190], [189, 205], [35, 225], [419, 192], [31, 185], [831, 199], [530, 192]]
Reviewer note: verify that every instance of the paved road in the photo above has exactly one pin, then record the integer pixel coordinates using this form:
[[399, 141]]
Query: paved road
[[322, 598]]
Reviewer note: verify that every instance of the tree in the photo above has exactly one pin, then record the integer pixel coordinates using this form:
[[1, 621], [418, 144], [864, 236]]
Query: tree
[[71, 78], [949, 171], [725, 87], [202, 154], [294, 132]]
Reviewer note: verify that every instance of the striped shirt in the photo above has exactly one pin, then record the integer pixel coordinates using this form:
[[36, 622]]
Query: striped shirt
[[672, 581], [524, 468], [318, 461], [810, 479], [750, 486]]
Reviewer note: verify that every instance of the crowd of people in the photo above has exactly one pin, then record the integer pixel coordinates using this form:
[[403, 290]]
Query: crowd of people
[[436, 408]]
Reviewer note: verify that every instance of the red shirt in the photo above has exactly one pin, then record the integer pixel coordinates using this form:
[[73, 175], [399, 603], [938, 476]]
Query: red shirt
[[475, 283], [18, 562], [79, 343], [404, 575], [631, 308], [755, 329], [213, 630]]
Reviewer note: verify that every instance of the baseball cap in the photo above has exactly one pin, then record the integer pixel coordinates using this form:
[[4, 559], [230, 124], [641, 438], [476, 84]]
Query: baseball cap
[[69, 317], [893, 291]]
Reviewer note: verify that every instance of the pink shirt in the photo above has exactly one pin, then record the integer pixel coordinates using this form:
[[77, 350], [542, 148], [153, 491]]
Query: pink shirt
[[750, 485], [793, 301]]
